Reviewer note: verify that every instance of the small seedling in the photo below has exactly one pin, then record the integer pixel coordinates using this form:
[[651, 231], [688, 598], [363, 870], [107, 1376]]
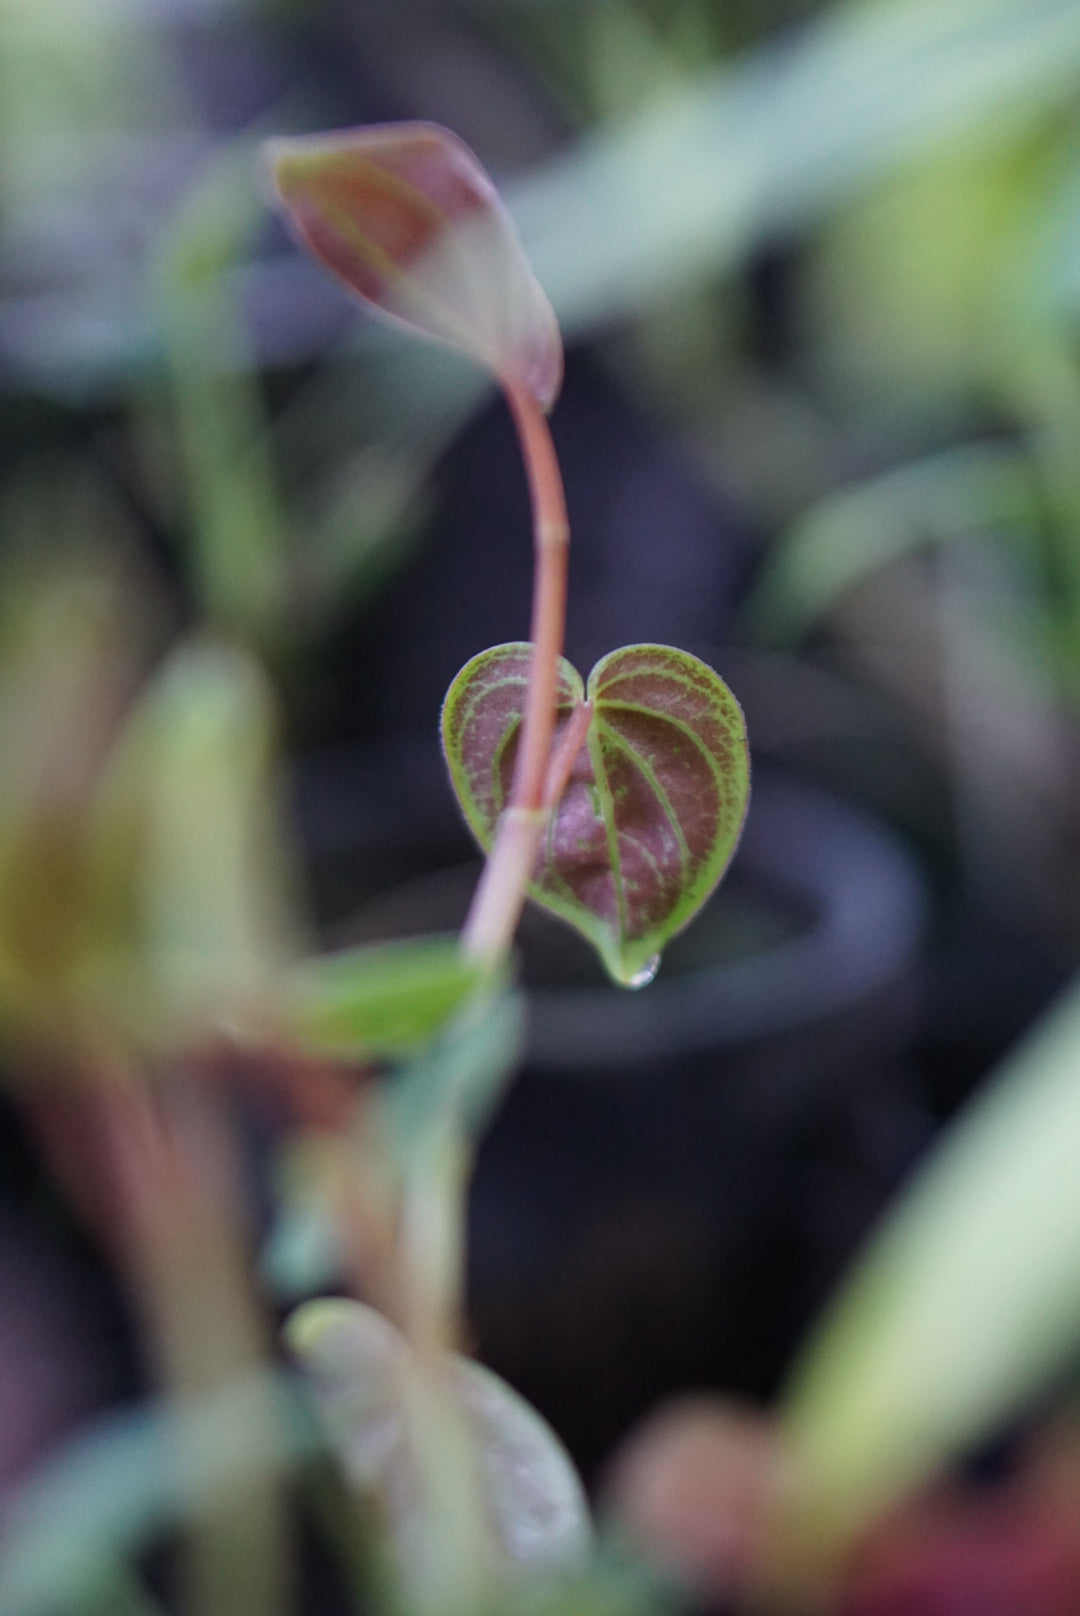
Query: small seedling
[[149, 951], [617, 806]]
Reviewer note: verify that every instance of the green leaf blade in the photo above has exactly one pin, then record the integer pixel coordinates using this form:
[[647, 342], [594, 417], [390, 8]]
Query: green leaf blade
[[379, 1001], [481, 717], [654, 803]]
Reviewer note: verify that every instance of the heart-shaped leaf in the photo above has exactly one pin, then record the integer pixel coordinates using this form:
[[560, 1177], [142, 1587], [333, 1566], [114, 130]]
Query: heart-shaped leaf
[[655, 799], [406, 216]]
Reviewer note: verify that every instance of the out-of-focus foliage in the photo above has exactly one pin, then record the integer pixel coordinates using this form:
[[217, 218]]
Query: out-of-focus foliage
[[370, 1003], [833, 248], [78, 1526], [407, 1438], [963, 1306], [141, 868]]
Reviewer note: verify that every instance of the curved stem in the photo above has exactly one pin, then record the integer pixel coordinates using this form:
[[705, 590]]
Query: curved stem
[[499, 897], [168, 1159], [551, 538]]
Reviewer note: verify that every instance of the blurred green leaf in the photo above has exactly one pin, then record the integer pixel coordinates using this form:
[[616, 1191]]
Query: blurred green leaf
[[418, 1121], [848, 537], [105, 1496], [379, 1001], [144, 876], [401, 1425], [914, 300], [70, 657], [963, 1306], [189, 921], [458, 1078], [766, 145]]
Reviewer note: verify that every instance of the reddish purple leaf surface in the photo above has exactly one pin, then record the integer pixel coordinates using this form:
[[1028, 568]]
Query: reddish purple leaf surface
[[405, 215], [655, 800]]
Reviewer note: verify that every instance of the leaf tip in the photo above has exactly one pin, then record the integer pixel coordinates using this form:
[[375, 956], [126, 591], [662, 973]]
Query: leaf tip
[[305, 1329]]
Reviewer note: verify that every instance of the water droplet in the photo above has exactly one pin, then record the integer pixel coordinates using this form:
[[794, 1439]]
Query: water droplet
[[642, 978]]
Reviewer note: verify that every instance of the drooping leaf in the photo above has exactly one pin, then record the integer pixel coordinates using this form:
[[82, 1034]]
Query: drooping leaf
[[386, 1412], [655, 801], [406, 216], [381, 1000]]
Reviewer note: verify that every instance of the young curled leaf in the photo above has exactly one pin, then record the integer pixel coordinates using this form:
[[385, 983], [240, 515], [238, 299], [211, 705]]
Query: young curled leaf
[[655, 799], [407, 218]]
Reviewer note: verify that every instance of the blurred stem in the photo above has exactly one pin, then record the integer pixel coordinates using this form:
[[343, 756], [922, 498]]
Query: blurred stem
[[451, 1570], [492, 920], [237, 529], [451, 1573], [173, 1173], [433, 1239]]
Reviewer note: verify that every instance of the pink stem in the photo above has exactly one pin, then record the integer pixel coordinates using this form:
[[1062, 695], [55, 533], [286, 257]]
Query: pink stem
[[497, 904], [565, 751], [551, 538]]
